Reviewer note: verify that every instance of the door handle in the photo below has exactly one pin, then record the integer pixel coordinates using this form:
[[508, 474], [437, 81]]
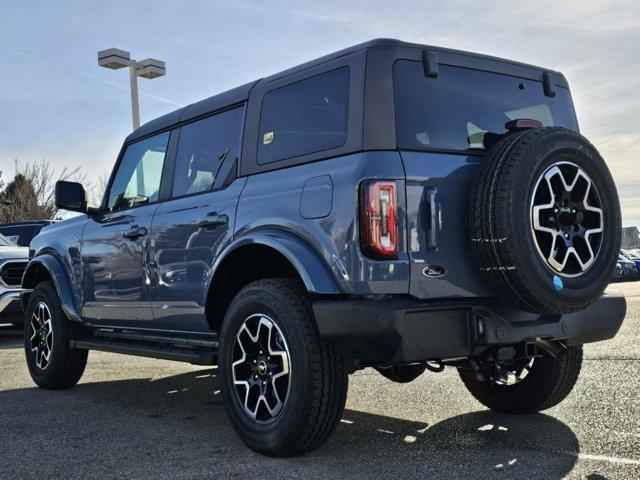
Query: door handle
[[435, 219], [213, 219], [135, 232]]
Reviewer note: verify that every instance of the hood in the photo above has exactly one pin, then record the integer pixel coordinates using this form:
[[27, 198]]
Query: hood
[[14, 252]]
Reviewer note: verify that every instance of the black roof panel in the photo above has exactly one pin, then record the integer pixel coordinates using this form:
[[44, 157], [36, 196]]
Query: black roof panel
[[241, 94]]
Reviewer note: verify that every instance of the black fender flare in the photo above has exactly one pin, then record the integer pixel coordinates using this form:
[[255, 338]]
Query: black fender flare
[[58, 274], [312, 269]]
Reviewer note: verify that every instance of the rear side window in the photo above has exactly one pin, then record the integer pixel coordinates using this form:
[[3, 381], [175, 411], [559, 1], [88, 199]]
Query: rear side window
[[305, 117], [202, 148], [456, 109]]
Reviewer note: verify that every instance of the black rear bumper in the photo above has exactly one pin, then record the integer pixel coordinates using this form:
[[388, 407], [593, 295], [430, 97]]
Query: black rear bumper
[[398, 330]]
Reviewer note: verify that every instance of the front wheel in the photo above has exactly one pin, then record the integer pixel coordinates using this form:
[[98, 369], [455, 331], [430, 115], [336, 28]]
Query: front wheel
[[528, 387], [284, 388], [52, 362]]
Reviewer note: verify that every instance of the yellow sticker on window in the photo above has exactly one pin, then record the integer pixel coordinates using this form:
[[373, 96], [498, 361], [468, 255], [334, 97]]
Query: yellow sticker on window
[[267, 138]]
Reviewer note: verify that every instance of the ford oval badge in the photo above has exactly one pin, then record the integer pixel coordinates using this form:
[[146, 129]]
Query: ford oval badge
[[434, 271]]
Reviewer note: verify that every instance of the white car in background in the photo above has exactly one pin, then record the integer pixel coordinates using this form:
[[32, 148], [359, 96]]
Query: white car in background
[[13, 260]]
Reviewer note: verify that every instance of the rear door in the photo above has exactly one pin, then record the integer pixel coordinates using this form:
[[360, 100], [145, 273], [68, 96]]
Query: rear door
[[191, 229], [115, 243], [441, 122]]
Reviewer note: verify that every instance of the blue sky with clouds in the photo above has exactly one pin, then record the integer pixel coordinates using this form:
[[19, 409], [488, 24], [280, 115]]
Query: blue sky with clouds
[[56, 103]]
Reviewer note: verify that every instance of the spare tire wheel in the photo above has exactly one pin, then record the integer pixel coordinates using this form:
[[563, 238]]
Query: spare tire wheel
[[544, 220]]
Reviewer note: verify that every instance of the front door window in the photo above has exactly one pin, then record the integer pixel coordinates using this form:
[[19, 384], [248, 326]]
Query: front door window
[[137, 181]]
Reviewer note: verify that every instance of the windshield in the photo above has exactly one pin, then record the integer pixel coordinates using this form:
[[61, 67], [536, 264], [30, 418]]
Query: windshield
[[5, 242], [456, 109]]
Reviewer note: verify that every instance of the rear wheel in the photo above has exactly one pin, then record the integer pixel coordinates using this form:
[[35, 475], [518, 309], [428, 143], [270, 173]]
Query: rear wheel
[[528, 386], [52, 362], [284, 388]]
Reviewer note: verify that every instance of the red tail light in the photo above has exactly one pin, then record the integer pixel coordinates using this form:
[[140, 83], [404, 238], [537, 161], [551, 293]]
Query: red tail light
[[378, 220]]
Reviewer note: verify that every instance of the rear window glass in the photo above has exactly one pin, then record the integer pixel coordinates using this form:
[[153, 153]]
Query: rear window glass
[[456, 109], [305, 117]]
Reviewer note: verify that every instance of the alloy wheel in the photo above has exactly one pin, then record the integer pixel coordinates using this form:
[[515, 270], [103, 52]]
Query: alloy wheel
[[41, 339], [261, 368], [511, 374], [567, 219]]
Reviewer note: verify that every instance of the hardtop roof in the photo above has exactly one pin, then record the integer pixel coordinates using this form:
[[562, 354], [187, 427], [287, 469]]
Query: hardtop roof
[[241, 94]]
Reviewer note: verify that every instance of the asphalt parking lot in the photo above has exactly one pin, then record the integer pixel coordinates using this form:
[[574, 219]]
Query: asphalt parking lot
[[142, 418]]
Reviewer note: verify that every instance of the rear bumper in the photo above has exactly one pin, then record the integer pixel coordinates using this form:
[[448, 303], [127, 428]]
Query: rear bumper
[[401, 330]]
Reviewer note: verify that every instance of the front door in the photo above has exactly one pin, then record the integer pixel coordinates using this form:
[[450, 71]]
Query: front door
[[115, 243]]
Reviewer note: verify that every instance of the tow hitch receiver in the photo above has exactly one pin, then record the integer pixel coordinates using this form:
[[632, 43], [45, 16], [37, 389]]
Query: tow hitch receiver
[[524, 350]]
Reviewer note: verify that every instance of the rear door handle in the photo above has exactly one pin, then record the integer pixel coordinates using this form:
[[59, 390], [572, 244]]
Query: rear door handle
[[135, 232], [213, 219], [435, 219]]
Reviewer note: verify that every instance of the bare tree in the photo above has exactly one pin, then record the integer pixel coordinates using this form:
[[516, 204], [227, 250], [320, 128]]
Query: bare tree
[[31, 194], [97, 190]]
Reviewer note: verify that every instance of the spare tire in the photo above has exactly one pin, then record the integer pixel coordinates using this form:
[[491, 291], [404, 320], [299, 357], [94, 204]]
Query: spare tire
[[544, 219]]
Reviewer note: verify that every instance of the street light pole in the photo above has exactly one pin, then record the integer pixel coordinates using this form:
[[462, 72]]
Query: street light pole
[[150, 68], [135, 104]]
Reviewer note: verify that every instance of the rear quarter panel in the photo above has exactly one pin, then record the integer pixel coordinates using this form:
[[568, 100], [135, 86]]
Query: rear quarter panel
[[275, 200]]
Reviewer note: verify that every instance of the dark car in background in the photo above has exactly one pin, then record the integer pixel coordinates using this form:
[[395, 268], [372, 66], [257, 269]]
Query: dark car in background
[[21, 233]]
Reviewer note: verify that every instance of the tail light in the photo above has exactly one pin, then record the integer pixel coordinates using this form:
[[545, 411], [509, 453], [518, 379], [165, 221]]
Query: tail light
[[378, 219]]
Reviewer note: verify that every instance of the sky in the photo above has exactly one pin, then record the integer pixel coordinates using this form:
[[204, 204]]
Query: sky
[[57, 104]]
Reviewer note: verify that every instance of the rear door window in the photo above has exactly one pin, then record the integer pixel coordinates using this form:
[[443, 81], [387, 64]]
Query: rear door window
[[307, 116], [456, 109], [202, 148]]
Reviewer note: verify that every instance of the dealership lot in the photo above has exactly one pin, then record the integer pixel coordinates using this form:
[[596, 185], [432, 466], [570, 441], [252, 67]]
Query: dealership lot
[[143, 418]]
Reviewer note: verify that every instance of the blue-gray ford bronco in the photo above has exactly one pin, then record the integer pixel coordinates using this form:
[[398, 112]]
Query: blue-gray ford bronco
[[392, 205]]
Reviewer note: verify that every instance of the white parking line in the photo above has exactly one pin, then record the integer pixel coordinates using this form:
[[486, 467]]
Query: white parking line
[[603, 458]]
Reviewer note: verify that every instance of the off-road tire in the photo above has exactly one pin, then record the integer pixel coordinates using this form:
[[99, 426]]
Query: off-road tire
[[318, 382], [547, 384], [500, 223], [67, 364]]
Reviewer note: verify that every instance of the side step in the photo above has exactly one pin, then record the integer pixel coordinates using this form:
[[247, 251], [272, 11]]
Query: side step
[[195, 351]]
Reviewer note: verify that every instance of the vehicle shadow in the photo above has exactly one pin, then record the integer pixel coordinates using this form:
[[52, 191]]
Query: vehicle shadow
[[177, 424]]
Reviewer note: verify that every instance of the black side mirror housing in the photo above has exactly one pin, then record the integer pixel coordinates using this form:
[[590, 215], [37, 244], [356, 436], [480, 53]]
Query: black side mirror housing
[[71, 196]]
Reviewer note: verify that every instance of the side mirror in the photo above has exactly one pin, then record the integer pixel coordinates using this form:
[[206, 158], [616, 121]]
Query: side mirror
[[71, 196]]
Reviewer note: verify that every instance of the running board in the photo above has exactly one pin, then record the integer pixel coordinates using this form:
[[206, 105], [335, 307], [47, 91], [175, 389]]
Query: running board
[[131, 335], [189, 354]]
